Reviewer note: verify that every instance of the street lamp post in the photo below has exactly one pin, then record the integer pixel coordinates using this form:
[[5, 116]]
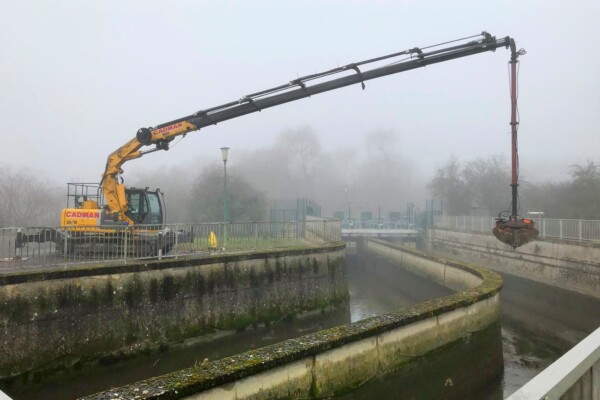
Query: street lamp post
[[224, 153], [345, 204]]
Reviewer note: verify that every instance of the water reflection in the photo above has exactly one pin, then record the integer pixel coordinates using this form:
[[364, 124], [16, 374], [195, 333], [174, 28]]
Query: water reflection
[[378, 287]]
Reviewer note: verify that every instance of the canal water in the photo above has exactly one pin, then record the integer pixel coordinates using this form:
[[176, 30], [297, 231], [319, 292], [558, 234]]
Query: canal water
[[536, 328]]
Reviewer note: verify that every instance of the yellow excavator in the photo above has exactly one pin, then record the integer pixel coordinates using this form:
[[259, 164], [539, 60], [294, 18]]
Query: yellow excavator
[[103, 211]]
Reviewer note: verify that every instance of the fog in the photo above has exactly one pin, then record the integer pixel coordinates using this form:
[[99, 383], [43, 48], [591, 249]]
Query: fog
[[370, 176], [79, 78]]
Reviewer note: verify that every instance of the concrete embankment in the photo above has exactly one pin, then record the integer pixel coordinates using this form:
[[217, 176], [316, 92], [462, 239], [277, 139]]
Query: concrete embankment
[[336, 360], [570, 265], [56, 320]]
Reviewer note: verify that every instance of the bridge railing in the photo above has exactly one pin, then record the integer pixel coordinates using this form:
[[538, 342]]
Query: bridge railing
[[576, 375], [43, 246], [574, 229]]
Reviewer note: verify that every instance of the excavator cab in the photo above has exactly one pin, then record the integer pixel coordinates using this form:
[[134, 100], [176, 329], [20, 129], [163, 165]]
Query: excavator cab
[[145, 207]]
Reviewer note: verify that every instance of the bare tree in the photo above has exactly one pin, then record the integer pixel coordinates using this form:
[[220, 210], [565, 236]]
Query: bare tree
[[175, 182], [289, 168], [27, 200], [487, 184], [448, 184], [383, 177], [245, 202]]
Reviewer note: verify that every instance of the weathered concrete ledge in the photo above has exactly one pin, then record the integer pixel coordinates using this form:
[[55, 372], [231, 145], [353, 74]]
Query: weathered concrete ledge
[[336, 360], [89, 269], [567, 264], [55, 320]]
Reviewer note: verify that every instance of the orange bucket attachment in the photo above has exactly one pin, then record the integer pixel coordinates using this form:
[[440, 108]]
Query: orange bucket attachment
[[515, 231]]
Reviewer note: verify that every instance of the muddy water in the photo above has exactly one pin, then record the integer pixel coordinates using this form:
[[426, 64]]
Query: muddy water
[[96, 378], [538, 325]]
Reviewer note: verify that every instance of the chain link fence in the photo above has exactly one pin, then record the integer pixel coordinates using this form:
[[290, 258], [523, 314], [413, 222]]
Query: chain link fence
[[44, 246]]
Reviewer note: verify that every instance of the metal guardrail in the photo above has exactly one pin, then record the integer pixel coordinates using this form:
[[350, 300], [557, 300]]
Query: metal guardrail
[[43, 246], [382, 233], [573, 229], [576, 375]]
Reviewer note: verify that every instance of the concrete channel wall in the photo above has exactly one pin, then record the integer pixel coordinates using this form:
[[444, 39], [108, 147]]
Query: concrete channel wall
[[337, 360], [55, 320], [571, 265]]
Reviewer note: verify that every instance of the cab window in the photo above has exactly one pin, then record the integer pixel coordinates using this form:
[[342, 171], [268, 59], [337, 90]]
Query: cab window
[[138, 206], [154, 212]]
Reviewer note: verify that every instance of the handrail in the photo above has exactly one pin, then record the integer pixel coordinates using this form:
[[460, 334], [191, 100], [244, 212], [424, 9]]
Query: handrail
[[564, 374], [568, 229]]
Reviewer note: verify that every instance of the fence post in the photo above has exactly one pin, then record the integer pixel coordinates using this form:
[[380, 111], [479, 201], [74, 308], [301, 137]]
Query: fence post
[[560, 224], [65, 245], [17, 248], [544, 227], [579, 226], [125, 244], [256, 235], [176, 242]]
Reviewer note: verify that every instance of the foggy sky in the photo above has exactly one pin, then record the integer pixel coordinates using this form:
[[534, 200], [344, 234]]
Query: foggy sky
[[77, 79]]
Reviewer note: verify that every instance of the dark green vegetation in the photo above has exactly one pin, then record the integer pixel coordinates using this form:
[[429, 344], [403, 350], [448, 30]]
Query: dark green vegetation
[[217, 373], [56, 321]]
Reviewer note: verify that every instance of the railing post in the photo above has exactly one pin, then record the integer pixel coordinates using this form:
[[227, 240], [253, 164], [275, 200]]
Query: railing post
[[125, 244], [65, 245], [544, 227], [560, 225], [579, 226], [256, 235], [176, 243], [193, 239], [17, 248]]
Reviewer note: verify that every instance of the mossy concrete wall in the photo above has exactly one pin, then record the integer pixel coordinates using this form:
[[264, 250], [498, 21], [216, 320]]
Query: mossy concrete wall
[[56, 319], [571, 265], [337, 360]]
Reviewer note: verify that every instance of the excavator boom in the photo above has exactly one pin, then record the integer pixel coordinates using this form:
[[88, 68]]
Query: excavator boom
[[296, 89], [115, 207]]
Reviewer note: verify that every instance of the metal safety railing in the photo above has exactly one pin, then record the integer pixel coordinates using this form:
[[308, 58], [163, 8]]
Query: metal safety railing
[[42, 246], [573, 229], [576, 375]]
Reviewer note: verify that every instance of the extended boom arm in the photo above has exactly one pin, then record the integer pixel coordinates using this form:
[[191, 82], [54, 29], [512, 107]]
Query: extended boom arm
[[296, 89]]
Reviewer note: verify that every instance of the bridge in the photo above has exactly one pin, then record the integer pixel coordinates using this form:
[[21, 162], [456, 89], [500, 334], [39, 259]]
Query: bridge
[[348, 233], [379, 228]]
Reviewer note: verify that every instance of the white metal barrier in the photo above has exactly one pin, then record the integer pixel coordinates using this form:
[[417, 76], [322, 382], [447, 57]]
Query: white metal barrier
[[40, 246], [574, 376], [574, 229]]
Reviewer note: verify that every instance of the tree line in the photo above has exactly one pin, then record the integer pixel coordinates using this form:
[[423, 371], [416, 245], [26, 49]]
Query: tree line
[[361, 178], [373, 175], [482, 186]]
